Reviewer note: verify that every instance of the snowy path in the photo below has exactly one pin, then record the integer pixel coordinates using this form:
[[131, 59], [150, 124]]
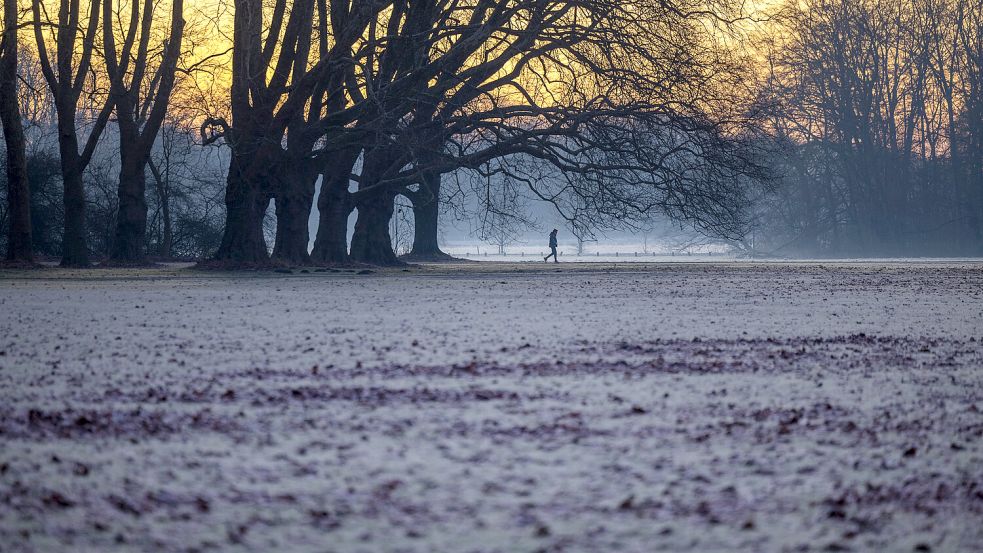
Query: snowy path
[[696, 407]]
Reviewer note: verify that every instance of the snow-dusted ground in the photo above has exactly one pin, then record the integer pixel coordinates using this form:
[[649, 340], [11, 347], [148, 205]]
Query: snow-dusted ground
[[662, 407], [592, 252], [623, 256]]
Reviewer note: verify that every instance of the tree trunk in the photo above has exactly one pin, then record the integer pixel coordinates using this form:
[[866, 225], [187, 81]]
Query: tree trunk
[[131, 221], [19, 243], [74, 251], [245, 206], [294, 199], [334, 205], [426, 207], [425, 230], [371, 242]]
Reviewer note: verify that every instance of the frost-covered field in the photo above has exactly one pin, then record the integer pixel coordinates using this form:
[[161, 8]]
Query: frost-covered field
[[691, 407]]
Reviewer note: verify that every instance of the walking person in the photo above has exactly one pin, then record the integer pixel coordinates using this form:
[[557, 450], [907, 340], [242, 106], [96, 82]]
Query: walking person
[[552, 248]]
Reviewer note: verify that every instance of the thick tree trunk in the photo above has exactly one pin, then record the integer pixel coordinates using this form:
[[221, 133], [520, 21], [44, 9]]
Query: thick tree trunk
[[426, 208], [19, 243], [245, 206], [334, 205], [425, 230], [293, 210], [131, 221], [371, 242], [74, 251]]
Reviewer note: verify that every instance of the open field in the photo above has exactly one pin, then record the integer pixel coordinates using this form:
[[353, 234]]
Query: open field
[[494, 407]]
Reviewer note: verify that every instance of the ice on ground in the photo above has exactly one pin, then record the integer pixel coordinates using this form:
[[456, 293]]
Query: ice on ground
[[697, 407]]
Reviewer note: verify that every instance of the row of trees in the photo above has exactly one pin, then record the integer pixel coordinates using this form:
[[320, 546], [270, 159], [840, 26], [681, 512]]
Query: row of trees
[[609, 110], [868, 114], [140, 78], [879, 104], [185, 186], [614, 97]]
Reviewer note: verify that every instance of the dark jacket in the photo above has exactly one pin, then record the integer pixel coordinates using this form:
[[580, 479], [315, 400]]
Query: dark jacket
[[552, 239]]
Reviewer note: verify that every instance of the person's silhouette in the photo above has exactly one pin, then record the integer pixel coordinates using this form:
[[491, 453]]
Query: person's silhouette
[[552, 248]]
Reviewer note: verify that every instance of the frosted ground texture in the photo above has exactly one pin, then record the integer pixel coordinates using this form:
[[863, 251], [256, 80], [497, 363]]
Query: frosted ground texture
[[697, 407]]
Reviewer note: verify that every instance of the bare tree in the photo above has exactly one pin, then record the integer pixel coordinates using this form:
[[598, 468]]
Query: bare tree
[[259, 83], [873, 106], [273, 81], [67, 78], [19, 243], [526, 79], [397, 88], [170, 158], [186, 213], [140, 96], [971, 43]]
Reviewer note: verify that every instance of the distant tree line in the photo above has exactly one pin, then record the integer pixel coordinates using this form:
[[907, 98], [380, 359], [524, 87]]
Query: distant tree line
[[878, 107]]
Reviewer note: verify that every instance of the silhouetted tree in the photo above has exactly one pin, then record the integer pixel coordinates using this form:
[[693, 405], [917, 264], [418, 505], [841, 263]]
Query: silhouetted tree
[[140, 95], [66, 78], [273, 80], [525, 79], [19, 243]]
